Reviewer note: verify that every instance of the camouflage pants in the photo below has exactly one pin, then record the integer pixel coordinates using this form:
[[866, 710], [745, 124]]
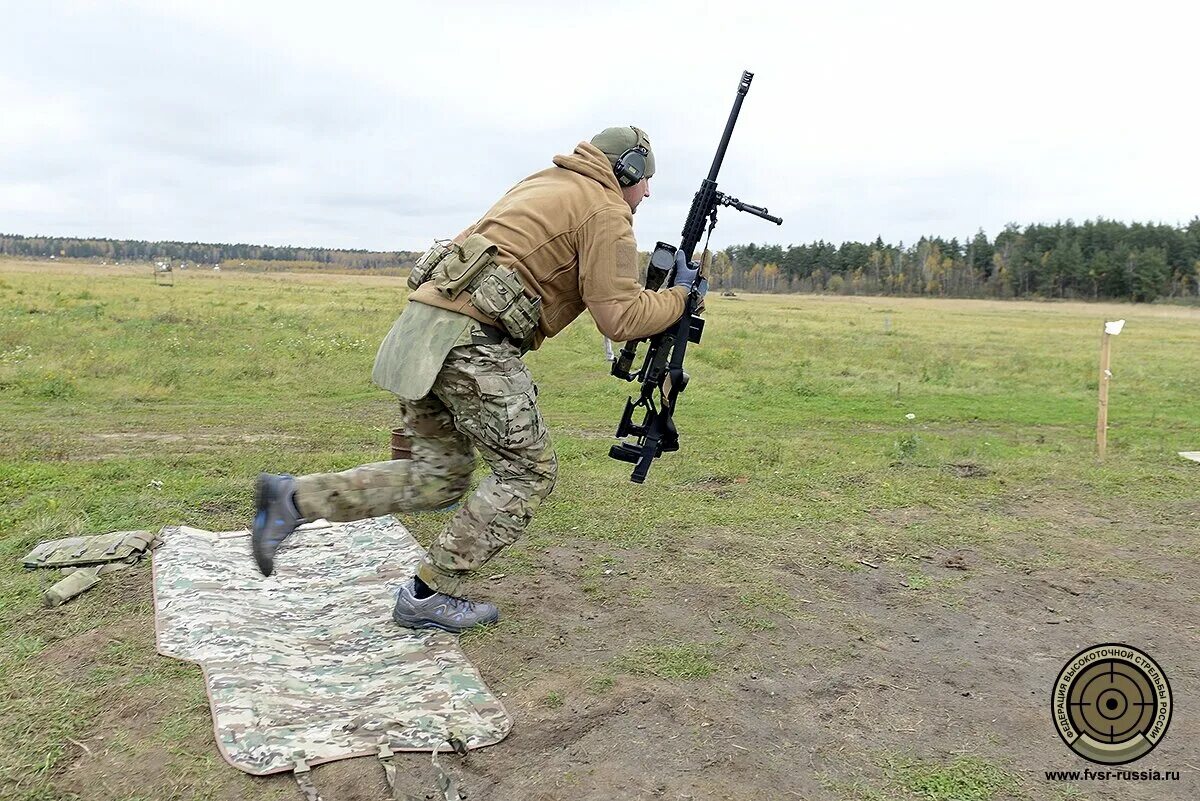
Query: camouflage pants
[[483, 399]]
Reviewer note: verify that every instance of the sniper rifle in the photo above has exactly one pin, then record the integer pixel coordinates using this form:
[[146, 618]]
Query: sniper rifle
[[662, 376]]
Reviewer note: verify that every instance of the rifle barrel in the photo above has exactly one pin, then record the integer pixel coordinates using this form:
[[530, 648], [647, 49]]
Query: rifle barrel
[[743, 88]]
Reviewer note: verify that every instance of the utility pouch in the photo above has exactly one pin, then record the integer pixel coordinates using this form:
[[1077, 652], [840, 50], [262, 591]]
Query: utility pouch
[[501, 296], [428, 261], [75, 584], [522, 317], [456, 272]]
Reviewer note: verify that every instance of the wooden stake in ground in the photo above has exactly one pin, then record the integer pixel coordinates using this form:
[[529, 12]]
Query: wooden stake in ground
[[1110, 330]]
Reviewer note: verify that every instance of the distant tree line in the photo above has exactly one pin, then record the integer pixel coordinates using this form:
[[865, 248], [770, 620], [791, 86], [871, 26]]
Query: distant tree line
[[200, 253], [1100, 259]]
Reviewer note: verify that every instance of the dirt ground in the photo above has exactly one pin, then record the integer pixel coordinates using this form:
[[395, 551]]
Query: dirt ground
[[813, 708]]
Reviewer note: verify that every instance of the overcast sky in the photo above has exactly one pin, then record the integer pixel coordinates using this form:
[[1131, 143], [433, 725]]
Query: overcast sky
[[383, 126]]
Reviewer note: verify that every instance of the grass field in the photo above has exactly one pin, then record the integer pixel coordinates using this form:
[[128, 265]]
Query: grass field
[[817, 597]]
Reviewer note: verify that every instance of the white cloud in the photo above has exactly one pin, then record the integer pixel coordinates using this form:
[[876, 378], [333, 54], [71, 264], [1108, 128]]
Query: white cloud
[[383, 126]]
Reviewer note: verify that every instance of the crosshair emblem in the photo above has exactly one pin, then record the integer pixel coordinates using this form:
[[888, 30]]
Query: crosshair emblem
[[1111, 704]]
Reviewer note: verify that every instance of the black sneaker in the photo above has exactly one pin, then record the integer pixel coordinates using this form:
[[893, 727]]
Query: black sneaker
[[275, 518], [440, 611]]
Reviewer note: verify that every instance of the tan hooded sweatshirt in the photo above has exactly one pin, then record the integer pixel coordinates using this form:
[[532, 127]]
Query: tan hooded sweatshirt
[[568, 232]]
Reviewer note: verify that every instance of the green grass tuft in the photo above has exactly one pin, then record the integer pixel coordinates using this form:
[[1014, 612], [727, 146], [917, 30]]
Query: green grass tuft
[[670, 662], [964, 779]]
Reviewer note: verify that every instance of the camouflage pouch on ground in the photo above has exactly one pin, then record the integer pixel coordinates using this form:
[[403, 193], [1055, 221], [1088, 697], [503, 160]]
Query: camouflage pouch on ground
[[501, 296], [79, 582], [85, 559], [116, 546], [455, 273]]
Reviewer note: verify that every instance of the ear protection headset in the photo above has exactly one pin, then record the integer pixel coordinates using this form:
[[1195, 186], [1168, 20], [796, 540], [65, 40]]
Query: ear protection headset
[[631, 165]]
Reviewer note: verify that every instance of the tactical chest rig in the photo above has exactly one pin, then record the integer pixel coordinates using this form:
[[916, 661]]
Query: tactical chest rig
[[494, 290]]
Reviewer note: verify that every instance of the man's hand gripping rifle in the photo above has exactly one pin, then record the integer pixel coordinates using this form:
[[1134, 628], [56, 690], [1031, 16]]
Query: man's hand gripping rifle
[[662, 377]]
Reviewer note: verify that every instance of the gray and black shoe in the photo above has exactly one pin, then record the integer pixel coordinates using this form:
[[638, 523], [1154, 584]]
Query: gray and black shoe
[[440, 611], [275, 518]]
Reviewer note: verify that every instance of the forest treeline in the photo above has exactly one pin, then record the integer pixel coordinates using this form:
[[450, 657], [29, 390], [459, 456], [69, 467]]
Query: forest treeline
[[201, 253], [1101, 259], [1098, 259]]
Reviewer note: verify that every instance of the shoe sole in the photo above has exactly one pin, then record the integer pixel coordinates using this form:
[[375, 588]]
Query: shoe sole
[[260, 504], [429, 624]]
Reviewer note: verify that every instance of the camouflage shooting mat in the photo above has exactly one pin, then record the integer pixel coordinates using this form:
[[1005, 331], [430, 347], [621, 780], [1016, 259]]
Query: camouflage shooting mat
[[307, 664]]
